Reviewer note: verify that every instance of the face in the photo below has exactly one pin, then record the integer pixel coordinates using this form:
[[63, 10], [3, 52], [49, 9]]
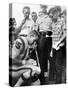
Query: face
[[50, 15], [26, 13], [32, 38], [34, 17], [56, 14]]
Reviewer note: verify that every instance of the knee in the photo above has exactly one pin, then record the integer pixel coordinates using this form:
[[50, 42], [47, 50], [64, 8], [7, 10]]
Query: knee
[[26, 74]]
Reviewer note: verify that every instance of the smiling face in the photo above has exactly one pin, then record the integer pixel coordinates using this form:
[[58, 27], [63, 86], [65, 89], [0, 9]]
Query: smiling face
[[32, 37], [34, 16], [26, 12], [56, 15]]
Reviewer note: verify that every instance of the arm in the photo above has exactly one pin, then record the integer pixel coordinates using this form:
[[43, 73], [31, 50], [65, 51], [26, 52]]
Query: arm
[[16, 61], [19, 82], [17, 30]]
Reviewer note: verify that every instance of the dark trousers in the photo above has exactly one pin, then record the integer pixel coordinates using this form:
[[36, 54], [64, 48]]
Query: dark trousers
[[58, 65], [44, 48]]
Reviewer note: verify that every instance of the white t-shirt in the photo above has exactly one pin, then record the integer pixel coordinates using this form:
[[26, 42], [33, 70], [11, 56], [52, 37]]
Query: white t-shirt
[[35, 25], [27, 27]]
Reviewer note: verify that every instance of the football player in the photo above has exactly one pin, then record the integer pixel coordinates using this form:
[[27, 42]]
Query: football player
[[23, 67]]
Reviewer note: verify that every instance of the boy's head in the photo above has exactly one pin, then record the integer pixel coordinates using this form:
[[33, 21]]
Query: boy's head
[[33, 36], [56, 12], [34, 16]]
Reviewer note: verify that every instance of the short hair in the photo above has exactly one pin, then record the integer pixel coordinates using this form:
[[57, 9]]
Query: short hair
[[58, 8], [64, 12], [34, 32], [50, 11], [55, 9], [26, 7], [44, 6], [33, 13], [44, 9]]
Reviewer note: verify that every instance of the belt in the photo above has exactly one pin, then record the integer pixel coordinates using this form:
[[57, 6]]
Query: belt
[[47, 33], [24, 35]]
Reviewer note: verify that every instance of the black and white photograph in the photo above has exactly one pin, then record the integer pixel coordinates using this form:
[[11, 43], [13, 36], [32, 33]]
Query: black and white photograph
[[37, 44]]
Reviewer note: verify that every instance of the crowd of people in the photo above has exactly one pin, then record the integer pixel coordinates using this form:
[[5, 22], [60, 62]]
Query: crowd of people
[[37, 48]]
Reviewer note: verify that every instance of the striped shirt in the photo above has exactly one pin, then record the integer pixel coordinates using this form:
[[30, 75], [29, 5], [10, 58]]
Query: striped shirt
[[58, 30], [20, 50]]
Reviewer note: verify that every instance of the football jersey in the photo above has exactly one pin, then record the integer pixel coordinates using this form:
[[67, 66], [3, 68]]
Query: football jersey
[[16, 69], [20, 49]]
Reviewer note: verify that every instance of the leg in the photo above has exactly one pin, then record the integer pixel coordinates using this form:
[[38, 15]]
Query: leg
[[23, 78], [59, 60], [43, 59], [52, 66], [19, 82]]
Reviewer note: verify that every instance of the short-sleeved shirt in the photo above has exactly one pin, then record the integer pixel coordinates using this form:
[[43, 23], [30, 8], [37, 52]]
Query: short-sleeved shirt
[[58, 30], [27, 27], [44, 22]]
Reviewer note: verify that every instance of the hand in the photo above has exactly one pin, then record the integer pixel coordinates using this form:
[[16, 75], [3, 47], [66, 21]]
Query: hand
[[54, 46], [23, 21], [62, 44], [57, 48], [31, 62], [23, 62]]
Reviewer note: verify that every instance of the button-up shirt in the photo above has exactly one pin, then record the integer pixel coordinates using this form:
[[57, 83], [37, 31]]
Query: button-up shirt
[[58, 29]]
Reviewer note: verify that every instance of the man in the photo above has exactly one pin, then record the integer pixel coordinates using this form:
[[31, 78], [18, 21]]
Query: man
[[44, 46], [23, 66], [25, 26], [59, 34], [34, 27]]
